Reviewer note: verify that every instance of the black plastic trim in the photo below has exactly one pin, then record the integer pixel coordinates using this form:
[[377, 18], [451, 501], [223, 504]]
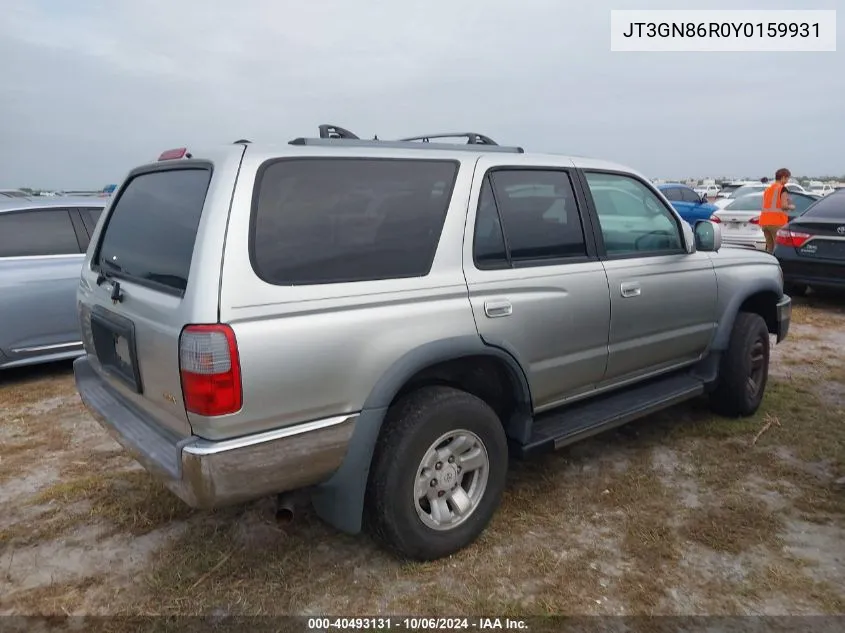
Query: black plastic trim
[[114, 324], [79, 229]]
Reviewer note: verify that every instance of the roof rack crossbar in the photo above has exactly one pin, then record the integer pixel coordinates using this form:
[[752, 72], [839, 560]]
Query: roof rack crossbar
[[473, 138], [415, 145], [335, 131]]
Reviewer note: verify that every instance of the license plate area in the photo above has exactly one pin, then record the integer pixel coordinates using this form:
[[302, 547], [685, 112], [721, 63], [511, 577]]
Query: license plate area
[[823, 249], [114, 345]]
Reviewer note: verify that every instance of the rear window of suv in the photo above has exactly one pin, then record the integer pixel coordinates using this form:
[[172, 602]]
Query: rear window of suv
[[335, 220], [150, 233]]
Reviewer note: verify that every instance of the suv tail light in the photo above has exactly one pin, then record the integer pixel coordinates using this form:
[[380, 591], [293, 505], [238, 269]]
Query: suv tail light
[[716, 219], [785, 237], [210, 370]]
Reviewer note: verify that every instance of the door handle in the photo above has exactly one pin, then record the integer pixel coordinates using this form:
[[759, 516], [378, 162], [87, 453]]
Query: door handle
[[631, 289], [499, 308]]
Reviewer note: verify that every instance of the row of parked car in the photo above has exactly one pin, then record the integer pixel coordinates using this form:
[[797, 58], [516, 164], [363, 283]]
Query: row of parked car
[[815, 188]]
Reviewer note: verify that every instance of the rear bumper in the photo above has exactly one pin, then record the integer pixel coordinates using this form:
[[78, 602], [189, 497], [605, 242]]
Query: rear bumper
[[210, 474], [758, 243], [819, 274], [784, 316]]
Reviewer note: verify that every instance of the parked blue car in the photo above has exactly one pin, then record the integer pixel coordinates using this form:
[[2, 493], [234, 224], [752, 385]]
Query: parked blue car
[[691, 206]]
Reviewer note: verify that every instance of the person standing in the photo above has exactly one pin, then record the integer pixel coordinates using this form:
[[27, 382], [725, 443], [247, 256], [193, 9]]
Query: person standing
[[776, 204]]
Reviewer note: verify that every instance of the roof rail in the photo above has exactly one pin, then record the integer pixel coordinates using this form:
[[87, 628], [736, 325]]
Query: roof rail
[[333, 135]]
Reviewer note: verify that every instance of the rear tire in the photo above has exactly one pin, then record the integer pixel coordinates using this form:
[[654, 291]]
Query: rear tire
[[795, 290], [744, 368], [425, 502]]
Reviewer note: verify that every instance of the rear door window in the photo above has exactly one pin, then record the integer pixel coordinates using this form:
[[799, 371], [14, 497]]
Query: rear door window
[[37, 232], [672, 193], [539, 215], [150, 233], [329, 220]]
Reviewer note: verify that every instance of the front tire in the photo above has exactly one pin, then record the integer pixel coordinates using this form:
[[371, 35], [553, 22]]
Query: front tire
[[744, 368], [438, 473]]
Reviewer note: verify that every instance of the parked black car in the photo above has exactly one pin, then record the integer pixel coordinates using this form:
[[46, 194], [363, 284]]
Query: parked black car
[[811, 248]]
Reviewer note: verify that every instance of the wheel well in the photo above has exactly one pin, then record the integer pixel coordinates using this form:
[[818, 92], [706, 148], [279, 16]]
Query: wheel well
[[485, 377], [765, 304]]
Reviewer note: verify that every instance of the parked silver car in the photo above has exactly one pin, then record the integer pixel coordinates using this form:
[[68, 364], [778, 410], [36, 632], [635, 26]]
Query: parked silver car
[[385, 322], [42, 246]]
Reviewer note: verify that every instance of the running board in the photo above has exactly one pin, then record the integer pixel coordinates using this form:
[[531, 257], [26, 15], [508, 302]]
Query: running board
[[561, 427]]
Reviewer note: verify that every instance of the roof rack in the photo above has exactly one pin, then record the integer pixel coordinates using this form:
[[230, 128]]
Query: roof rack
[[334, 135], [335, 131], [473, 138]]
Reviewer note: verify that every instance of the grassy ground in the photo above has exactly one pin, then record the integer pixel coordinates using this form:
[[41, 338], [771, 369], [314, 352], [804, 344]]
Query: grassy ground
[[681, 513]]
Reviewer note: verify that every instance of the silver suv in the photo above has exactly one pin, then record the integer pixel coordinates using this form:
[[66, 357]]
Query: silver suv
[[384, 323]]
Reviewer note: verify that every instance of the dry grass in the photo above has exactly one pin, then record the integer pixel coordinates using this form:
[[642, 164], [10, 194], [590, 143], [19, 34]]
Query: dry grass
[[735, 525], [25, 440], [788, 579], [819, 311], [119, 502], [836, 373]]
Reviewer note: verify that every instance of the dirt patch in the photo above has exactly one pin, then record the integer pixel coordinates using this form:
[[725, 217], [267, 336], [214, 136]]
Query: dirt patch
[[681, 513]]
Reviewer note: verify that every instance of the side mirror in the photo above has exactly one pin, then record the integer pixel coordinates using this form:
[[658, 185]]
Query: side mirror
[[708, 236]]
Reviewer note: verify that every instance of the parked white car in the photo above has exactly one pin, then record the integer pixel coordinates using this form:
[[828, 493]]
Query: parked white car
[[740, 219], [758, 187], [821, 188], [711, 191], [755, 187], [729, 188]]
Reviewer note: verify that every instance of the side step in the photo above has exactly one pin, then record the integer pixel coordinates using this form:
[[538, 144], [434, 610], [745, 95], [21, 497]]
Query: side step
[[558, 428]]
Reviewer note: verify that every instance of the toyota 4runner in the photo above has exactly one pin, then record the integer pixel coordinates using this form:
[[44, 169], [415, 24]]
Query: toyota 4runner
[[384, 323]]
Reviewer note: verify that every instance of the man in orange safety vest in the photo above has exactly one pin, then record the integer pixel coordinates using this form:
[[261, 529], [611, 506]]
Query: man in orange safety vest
[[776, 204]]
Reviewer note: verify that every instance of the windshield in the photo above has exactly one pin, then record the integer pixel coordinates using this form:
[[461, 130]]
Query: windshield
[[747, 189], [746, 203]]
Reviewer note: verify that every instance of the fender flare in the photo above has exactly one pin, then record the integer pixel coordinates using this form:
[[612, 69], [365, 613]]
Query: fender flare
[[339, 501], [722, 337]]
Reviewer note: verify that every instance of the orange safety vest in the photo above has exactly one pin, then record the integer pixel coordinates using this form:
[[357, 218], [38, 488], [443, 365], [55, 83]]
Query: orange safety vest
[[771, 214]]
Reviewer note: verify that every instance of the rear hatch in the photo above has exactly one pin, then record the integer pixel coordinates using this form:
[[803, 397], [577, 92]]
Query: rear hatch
[[153, 268]]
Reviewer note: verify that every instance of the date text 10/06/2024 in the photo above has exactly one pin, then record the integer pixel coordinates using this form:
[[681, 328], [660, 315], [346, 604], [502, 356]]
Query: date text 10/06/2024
[[415, 624]]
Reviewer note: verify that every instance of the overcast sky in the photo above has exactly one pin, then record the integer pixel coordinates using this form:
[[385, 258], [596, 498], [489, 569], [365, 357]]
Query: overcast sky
[[91, 88]]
